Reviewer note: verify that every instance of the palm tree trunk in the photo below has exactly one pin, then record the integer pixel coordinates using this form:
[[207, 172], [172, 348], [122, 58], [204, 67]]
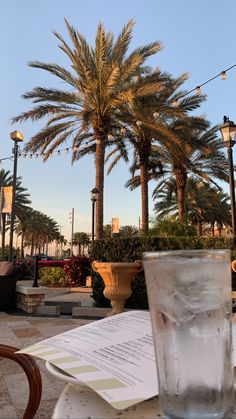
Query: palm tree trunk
[[99, 164], [144, 196], [213, 229], [32, 246], [200, 228], [22, 246], [180, 185]]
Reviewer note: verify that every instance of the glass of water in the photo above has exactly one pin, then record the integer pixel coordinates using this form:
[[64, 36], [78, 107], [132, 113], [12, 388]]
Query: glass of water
[[189, 293]]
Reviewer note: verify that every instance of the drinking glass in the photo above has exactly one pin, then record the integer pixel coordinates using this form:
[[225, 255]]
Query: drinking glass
[[189, 294]]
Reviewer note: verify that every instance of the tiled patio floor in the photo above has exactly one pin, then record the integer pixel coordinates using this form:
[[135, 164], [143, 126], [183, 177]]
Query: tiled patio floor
[[21, 331]]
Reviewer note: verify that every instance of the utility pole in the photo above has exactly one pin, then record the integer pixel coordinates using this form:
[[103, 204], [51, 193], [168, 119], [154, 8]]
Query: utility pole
[[72, 231]]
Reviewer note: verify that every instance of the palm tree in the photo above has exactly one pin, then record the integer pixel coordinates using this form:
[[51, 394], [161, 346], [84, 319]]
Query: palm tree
[[22, 201], [149, 122], [39, 230], [81, 239], [128, 231], [103, 79], [62, 242], [204, 204], [204, 158], [107, 231]]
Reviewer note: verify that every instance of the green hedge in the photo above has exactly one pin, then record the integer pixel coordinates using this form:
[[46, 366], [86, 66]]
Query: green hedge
[[131, 249]]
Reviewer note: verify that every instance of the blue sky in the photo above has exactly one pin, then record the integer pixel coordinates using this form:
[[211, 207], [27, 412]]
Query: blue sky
[[198, 37]]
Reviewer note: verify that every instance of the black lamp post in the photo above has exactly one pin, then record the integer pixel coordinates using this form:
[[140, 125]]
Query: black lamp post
[[16, 136], [94, 196], [228, 131]]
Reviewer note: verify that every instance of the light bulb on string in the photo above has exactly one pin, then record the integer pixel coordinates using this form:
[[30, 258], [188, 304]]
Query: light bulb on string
[[198, 90], [156, 114], [138, 123], [175, 103], [58, 152], [123, 130], [67, 150], [110, 137], [75, 148], [223, 75]]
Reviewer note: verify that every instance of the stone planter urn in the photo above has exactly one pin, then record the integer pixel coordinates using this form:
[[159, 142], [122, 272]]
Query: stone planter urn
[[117, 277]]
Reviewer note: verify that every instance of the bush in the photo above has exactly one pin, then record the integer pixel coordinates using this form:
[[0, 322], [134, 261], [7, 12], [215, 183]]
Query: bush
[[131, 249], [73, 274], [53, 277], [76, 271]]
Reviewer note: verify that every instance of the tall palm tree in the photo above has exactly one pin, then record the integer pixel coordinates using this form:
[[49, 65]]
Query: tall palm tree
[[103, 79], [205, 159], [149, 122], [61, 240], [81, 239], [204, 204], [39, 230], [22, 201]]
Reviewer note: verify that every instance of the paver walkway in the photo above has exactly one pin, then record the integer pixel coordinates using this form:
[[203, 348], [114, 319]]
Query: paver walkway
[[21, 331]]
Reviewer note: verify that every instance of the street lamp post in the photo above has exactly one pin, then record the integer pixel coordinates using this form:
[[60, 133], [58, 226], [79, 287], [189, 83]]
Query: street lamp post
[[16, 136], [228, 131], [94, 196]]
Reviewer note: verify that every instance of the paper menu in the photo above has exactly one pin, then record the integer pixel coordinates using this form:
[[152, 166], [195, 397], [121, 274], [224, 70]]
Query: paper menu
[[113, 356]]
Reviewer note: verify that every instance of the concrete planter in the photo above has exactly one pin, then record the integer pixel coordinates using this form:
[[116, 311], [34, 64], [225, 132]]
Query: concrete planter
[[117, 277]]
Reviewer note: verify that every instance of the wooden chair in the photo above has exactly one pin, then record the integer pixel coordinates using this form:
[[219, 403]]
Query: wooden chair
[[32, 372]]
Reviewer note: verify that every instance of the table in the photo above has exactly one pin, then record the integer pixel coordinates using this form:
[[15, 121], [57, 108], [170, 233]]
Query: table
[[77, 401]]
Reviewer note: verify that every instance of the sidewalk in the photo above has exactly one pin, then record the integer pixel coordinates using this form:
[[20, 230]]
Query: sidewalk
[[21, 331]]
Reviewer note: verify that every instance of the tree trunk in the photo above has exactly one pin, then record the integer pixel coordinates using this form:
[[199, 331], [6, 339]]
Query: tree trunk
[[99, 162], [32, 246], [213, 229], [181, 178], [144, 196], [200, 228], [22, 246]]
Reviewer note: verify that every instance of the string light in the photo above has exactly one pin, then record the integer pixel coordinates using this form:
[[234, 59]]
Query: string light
[[198, 90], [223, 75], [175, 103]]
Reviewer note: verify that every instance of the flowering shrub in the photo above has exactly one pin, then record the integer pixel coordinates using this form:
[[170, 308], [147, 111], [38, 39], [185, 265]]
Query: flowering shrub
[[76, 270], [53, 277], [51, 263]]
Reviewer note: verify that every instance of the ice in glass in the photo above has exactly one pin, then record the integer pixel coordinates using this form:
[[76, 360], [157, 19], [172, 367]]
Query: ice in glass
[[189, 295]]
